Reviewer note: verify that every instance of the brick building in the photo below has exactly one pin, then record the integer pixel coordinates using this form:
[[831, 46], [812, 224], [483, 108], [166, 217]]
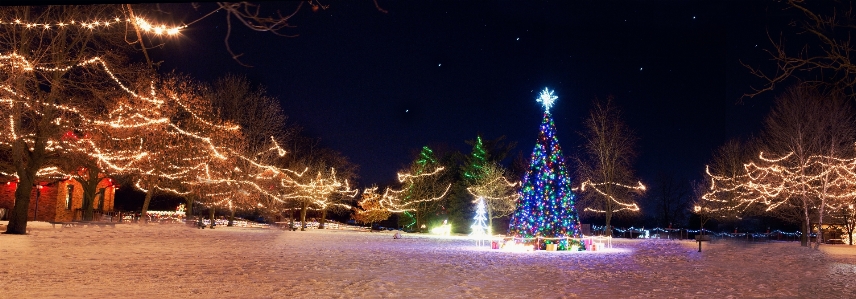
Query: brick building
[[60, 200]]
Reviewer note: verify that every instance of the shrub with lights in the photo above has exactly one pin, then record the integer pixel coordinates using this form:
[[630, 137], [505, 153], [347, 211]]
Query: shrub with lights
[[546, 209]]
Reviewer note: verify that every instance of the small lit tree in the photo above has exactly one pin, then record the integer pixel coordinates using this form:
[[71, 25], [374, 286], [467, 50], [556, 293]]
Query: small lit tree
[[480, 228], [370, 210]]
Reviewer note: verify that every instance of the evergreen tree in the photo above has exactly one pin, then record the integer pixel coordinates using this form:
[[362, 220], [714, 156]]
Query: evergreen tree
[[473, 170], [546, 205], [415, 191]]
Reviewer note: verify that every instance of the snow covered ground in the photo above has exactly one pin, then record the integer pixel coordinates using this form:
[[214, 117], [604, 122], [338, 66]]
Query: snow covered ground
[[174, 261]]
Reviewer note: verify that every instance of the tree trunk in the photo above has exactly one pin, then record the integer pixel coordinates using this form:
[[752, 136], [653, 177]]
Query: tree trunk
[[608, 220], [90, 187], [144, 219], [819, 238], [211, 217], [188, 209], [805, 234], [25, 161], [88, 202], [418, 223], [489, 222], [323, 219], [18, 215], [199, 219], [26, 170], [609, 204], [850, 234], [232, 218], [303, 215], [291, 215]]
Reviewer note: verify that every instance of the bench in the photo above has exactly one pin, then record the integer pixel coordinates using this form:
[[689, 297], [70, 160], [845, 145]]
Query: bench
[[701, 238]]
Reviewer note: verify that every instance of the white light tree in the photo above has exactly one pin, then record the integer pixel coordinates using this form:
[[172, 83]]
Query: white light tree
[[480, 228]]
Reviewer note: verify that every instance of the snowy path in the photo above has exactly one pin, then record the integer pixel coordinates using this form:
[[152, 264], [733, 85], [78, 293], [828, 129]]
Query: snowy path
[[173, 261]]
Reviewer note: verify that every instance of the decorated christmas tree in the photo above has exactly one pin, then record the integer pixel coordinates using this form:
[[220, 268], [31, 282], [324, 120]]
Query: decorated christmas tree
[[545, 204]]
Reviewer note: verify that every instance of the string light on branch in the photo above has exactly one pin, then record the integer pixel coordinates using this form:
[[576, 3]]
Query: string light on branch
[[482, 191], [774, 181], [396, 201], [143, 24], [619, 205]]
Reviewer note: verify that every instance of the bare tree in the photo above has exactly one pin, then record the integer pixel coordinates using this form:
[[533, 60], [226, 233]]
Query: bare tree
[[254, 17], [803, 167], [262, 122], [725, 174], [848, 215], [672, 198], [607, 162], [340, 199], [705, 209], [807, 123], [54, 80], [824, 61]]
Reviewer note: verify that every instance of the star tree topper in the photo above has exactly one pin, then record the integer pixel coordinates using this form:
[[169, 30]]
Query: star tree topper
[[547, 98]]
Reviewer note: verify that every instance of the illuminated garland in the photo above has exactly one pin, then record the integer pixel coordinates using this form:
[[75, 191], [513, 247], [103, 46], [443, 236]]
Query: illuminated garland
[[144, 25], [620, 206], [706, 231]]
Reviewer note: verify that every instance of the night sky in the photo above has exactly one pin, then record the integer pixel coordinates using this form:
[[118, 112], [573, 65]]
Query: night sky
[[378, 86]]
